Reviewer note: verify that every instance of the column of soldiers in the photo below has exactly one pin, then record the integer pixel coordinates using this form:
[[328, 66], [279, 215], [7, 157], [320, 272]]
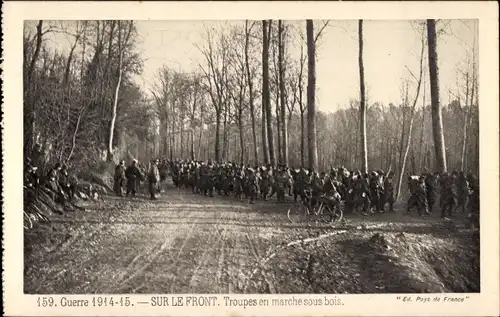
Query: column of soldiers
[[368, 193], [132, 176]]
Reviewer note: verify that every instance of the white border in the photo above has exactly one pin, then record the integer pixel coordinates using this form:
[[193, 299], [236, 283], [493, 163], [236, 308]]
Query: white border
[[485, 303]]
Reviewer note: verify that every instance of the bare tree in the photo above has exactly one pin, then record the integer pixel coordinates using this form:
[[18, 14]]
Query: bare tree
[[412, 113], [311, 96], [284, 128], [437, 120], [248, 31], [266, 102], [121, 48], [362, 105]]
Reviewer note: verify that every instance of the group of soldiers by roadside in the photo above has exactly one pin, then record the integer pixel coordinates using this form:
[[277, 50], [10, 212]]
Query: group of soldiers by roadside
[[368, 192], [134, 174], [59, 184]]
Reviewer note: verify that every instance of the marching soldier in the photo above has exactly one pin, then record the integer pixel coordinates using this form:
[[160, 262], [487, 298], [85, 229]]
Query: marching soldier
[[418, 196], [67, 183], [301, 185], [362, 192], [153, 179], [133, 174], [430, 189], [463, 191], [265, 183], [389, 191], [238, 184], [449, 193], [119, 178], [316, 187], [281, 182], [252, 185], [376, 192]]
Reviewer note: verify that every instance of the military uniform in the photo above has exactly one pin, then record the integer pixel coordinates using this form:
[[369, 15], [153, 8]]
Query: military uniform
[[265, 184], [153, 178], [418, 197], [376, 192], [316, 188], [389, 191], [119, 178], [430, 189], [281, 182], [252, 185], [463, 191], [449, 193], [132, 174]]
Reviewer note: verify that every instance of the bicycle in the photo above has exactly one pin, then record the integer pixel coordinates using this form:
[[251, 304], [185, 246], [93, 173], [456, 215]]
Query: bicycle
[[329, 213]]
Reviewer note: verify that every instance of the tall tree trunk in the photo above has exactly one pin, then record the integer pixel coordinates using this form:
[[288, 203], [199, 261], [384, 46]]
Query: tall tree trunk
[[302, 109], [362, 106], [225, 140], [469, 121], [192, 144], [68, 62], [284, 128], [302, 139], [250, 89], [218, 118], [278, 126], [265, 150], [115, 105], [437, 121], [311, 96], [466, 114], [422, 152], [265, 90], [240, 125], [412, 116], [29, 111]]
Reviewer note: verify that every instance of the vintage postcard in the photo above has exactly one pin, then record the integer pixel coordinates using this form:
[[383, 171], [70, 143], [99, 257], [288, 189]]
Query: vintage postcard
[[250, 159]]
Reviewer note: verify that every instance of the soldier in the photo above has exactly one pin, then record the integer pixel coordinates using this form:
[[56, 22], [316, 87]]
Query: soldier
[[449, 195], [52, 182], [281, 181], [119, 178], [289, 183], [175, 174], [228, 181], [153, 179], [316, 188], [252, 185], [265, 183], [463, 191], [430, 189], [362, 192], [132, 173], [162, 168], [418, 195], [474, 194], [376, 192], [67, 183], [206, 176], [332, 195], [389, 191]]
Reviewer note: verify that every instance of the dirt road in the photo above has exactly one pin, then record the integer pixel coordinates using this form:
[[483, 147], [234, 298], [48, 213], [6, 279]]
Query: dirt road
[[186, 243]]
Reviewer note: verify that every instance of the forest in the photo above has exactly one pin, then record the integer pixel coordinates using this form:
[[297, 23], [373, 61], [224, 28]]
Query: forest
[[251, 100]]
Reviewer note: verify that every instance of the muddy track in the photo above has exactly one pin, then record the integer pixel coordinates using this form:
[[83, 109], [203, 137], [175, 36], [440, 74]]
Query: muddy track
[[188, 243]]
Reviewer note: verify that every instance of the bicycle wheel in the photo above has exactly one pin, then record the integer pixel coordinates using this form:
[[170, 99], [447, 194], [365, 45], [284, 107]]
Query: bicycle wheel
[[297, 213], [332, 214]]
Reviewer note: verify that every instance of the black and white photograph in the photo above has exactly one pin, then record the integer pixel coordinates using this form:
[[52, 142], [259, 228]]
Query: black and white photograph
[[251, 156]]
